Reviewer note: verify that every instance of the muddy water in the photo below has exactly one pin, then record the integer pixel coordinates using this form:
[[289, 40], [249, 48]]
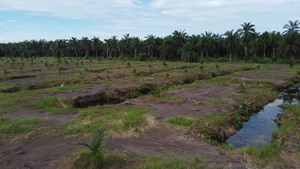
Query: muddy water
[[260, 127]]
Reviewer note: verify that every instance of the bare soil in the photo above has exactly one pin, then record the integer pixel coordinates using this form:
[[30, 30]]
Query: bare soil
[[272, 74]]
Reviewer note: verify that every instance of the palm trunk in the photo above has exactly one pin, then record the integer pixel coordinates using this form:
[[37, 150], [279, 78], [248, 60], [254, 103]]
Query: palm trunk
[[274, 52], [230, 57]]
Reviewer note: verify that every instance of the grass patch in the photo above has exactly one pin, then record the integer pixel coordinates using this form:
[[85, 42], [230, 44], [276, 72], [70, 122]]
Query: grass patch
[[180, 121], [211, 100], [6, 111], [173, 162], [16, 127], [263, 151], [109, 119], [214, 120], [9, 102], [53, 104]]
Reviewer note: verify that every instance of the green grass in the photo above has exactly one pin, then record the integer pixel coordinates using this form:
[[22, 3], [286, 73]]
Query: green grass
[[174, 162], [180, 120], [109, 119], [214, 101], [53, 104], [16, 127], [214, 120], [6, 111], [263, 151], [9, 102]]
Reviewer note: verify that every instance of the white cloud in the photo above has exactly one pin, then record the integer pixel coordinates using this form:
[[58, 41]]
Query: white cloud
[[71, 9], [158, 17]]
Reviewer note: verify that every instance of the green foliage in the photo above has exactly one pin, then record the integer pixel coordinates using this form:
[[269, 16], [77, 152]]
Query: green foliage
[[95, 157], [180, 120], [107, 77], [4, 71], [201, 67], [214, 101], [214, 120], [263, 151], [165, 64], [167, 75], [243, 86], [115, 120], [134, 71], [291, 62], [9, 102], [170, 161], [53, 104], [17, 127]]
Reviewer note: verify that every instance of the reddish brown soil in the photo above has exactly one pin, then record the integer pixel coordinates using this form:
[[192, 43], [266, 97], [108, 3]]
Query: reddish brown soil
[[275, 77], [91, 89], [22, 113], [48, 151], [190, 97], [161, 140]]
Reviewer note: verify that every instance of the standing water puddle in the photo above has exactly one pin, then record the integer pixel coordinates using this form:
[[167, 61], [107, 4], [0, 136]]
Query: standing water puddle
[[260, 127]]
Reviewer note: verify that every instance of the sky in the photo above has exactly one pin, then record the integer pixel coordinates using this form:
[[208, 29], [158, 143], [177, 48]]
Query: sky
[[62, 19]]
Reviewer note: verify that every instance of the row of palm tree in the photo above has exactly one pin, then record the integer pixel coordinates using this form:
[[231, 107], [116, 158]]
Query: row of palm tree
[[241, 44]]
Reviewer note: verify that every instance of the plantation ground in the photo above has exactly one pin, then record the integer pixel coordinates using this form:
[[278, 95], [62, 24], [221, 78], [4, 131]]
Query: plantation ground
[[178, 112]]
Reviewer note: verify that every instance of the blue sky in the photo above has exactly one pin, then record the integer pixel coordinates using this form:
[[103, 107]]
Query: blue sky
[[62, 19]]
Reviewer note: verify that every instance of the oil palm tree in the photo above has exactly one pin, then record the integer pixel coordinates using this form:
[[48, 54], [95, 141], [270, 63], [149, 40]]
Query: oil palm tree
[[150, 42], [246, 33], [74, 45], [289, 45], [274, 41], [188, 53], [230, 41], [96, 42], [292, 26], [96, 154]]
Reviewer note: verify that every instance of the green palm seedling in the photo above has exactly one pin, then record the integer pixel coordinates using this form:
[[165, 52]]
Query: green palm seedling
[[96, 154]]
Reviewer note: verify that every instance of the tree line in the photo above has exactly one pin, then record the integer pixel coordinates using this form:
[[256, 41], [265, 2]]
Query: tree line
[[244, 43]]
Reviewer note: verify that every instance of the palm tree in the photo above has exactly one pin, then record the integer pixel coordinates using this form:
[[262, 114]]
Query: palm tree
[[96, 44], [150, 42], [114, 45], [74, 45], [292, 26], [289, 45], [108, 47], [265, 41], [86, 44], [255, 43], [135, 43], [246, 32], [207, 44], [168, 48], [180, 37], [125, 41], [188, 53], [231, 41], [274, 41], [96, 153]]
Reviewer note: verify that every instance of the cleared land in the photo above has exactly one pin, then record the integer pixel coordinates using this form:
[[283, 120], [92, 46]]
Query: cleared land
[[155, 114]]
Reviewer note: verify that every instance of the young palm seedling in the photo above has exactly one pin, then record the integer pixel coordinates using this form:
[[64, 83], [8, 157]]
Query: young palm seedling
[[165, 64], [134, 71], [95, 156]]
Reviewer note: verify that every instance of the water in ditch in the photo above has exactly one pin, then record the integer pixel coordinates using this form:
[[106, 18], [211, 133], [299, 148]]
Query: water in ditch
[[260, 127]]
